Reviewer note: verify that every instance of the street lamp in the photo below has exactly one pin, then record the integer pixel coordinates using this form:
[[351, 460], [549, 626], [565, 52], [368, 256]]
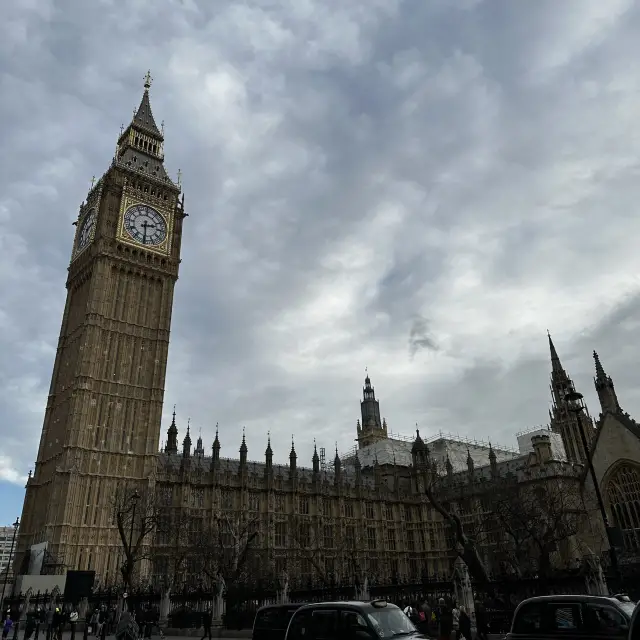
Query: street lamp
[[16, 524], [575, 398]]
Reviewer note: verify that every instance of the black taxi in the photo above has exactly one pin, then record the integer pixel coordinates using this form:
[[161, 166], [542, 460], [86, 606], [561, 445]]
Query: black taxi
[[579, 617], [375, 620]]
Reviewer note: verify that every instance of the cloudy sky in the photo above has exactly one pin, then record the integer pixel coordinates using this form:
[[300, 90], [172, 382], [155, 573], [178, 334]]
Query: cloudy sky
[[420, 188]]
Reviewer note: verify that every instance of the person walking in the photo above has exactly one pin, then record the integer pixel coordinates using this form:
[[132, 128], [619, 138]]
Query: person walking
[[482, 622], [465, 624], [49, 623], [206, 624], [446, 621], [455, 616], [6, 626]]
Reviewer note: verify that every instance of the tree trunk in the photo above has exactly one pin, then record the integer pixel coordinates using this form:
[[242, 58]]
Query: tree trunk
[[469, 552]]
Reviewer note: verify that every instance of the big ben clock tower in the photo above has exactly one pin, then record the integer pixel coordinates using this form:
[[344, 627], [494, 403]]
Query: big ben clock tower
[[102, 421]]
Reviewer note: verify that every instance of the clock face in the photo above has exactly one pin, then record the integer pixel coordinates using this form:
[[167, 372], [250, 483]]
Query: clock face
[[86, 230], [145, 225]]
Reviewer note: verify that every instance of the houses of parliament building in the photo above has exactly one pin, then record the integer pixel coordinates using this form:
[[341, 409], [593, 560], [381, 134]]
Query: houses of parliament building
[[365, 511]]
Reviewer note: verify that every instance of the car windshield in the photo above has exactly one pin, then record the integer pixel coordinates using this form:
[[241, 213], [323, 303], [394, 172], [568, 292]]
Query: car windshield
[[627, 607], [390, 623]]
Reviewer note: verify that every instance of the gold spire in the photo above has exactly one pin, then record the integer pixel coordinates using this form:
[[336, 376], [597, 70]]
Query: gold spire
[[148, 80]]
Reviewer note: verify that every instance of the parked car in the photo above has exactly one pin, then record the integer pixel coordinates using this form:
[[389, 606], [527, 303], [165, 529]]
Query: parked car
[[272, 620], [580, 617], [375, 620]]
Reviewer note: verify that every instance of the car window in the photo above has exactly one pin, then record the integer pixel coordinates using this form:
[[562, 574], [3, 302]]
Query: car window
[[325, 624], [352, 619], [529, 618], [604, 620], [564, 617], [300, 627], [267, 619]]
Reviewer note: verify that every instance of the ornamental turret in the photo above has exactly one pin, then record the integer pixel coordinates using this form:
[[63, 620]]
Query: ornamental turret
[[606, 391], [172, 436], [215, 451], [293, 461], [186, 444], [243, 451], [337, 465], [372, 428]]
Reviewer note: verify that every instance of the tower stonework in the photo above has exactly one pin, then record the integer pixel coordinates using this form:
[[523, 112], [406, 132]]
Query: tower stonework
[[563, 417], [373, 428], [103, 414]]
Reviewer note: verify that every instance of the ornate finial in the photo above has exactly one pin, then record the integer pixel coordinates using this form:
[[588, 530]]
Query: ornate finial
[[93, 181], [269, 437], [134, 112], [179, 177], [366, 369], [148, 80], [188, 424], [216, 428], [162, 127], [121, 129]]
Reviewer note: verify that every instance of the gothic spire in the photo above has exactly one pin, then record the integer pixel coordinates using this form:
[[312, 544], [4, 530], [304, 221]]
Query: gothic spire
[[605, 388], [143, 117], [315, 459], [186, 443], [243, 449], [556, 367], [601, 376], [172, 436], [269, 450], [470, 464]]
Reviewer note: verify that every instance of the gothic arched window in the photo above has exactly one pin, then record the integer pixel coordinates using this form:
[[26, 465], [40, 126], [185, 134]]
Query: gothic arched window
[[623, 491]]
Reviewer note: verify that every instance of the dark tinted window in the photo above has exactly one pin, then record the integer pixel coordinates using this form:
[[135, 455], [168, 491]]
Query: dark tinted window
[[529, 618], [325, 624], [604, 620], [300, 628], [564, 617], [276, 618]]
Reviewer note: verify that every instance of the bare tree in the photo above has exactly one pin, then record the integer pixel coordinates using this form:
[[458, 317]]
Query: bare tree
[[174, 547], [226, 548], [537, 516], [137, 516], [435, 479], [317, 543]]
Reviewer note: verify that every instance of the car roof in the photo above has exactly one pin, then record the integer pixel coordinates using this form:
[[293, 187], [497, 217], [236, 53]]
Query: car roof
[[281, 605], [350, 604], [571, 597]]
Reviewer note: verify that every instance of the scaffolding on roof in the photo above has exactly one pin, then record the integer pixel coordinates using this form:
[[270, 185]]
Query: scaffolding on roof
[[524, 432]]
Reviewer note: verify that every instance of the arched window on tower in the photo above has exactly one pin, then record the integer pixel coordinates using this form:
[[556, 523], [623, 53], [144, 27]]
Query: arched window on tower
[[623, 491]]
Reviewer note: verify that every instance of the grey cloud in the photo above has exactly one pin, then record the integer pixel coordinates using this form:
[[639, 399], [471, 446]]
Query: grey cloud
[[420, 338], [348, 174]]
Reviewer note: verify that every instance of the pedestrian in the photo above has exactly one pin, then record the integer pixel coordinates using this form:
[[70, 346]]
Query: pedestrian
[[446, 620], [206, 624], [482, 623], [455, 615], [41, 620], [465, 624], [6, 626], [49, 623], [73, 621]]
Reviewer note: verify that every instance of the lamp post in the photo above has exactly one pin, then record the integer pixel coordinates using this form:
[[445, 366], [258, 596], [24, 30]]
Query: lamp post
[[576, 398], [16, 524]]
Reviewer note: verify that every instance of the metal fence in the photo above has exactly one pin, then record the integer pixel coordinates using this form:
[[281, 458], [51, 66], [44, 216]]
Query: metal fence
[[186, 607]]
